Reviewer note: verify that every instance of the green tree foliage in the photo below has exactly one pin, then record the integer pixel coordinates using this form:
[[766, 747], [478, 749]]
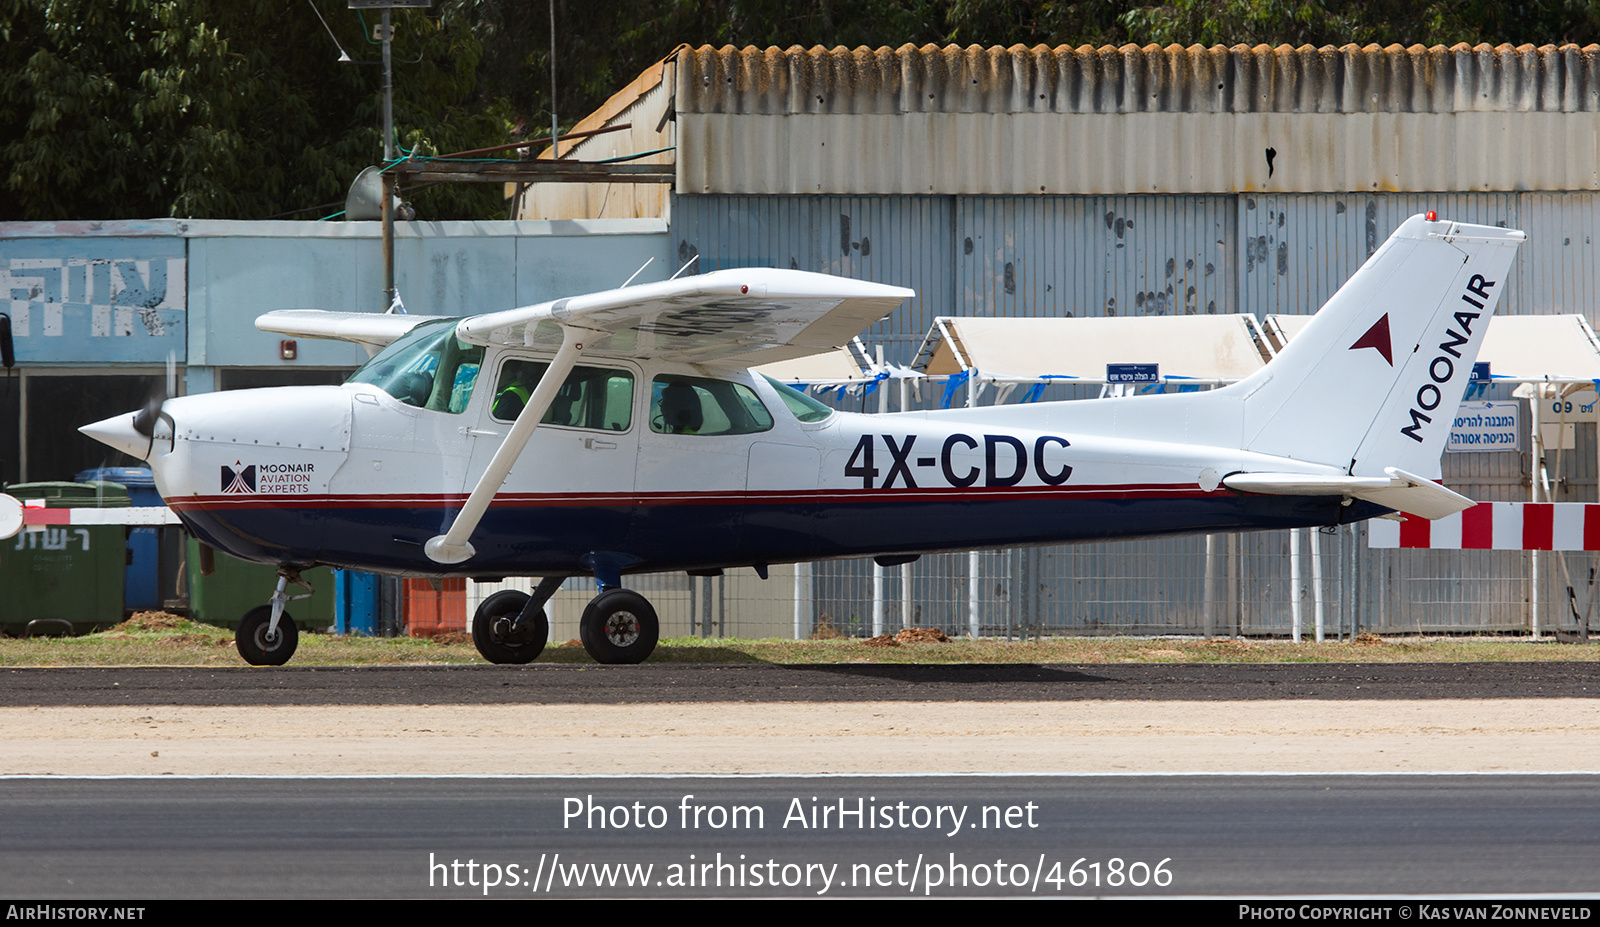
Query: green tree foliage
[[221, 108], [240, 109], [1363, 22]]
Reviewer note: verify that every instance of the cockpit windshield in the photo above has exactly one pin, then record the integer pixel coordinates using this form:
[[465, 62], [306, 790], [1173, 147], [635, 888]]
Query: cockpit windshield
[[429, 368]]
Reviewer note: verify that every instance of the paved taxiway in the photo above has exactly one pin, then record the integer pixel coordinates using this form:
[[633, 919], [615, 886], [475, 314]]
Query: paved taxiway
[[395, 838], [1389, 778]]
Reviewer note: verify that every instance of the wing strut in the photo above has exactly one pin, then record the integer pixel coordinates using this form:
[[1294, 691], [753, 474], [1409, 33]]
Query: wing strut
[[453, 546]]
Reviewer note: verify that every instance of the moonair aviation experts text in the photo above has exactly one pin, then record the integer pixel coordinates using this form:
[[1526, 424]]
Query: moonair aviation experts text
[[1422, 912]]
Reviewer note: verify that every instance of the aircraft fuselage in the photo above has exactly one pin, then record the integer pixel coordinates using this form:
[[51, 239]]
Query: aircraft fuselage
[[354, 477]]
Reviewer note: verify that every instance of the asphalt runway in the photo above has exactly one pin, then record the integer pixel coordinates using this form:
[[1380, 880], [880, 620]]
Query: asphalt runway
[[559, 684], [405, 782], [1235, 836]]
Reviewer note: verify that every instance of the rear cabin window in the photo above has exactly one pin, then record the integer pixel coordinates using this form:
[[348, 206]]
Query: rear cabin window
[[805, 408], [682, 405], [592, 397]]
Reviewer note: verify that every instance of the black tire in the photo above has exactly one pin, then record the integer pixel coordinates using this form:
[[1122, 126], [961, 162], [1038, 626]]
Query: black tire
[[253, 643], [496, 634], [619, 626]]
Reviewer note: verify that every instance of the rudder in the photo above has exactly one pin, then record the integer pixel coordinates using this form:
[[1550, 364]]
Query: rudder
[[1376, 378]]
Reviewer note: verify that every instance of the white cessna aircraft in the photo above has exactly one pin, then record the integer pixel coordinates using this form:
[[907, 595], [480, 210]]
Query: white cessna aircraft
[[621, 432]]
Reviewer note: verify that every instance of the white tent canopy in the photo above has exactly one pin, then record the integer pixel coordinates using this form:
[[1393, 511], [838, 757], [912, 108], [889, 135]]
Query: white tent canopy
[[1214, 348], [1519, 348], [841, 366]]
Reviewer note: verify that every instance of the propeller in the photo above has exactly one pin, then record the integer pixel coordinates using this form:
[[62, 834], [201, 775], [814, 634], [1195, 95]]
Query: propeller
[[144, 420]]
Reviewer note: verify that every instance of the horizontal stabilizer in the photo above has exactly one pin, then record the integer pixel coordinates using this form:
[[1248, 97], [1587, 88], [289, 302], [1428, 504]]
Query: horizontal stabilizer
[[373, 331], [1399, 490]]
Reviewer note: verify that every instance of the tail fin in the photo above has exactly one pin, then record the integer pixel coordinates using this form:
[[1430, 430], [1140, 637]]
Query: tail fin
[[1398, 339]]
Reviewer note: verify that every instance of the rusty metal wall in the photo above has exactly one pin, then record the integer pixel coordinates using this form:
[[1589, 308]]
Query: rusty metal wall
[[1556, 270], [1099, 255], [905, 241], [948, 120], [981, 256], [1052, 256], [1134, 79], [1297, 250]]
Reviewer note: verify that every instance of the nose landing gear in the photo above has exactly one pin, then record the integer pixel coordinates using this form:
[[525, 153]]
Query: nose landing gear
[[266, 635]]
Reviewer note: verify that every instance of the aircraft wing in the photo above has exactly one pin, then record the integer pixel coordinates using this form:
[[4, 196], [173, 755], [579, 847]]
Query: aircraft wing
[[1399, 490], [739, 317], [373, 331]]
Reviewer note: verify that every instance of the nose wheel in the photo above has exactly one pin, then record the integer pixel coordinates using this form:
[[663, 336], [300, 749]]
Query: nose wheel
[[259, 643], [619, 626], [266, 635]]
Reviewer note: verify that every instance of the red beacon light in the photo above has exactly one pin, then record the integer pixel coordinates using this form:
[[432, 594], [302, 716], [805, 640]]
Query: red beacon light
[[1432, 216]]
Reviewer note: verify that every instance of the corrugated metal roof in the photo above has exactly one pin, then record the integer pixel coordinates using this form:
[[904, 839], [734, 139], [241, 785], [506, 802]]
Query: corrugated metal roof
[[1131, 79]]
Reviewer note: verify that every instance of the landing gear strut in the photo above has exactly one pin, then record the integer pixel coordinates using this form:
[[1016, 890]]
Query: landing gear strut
[[618, 626], [266, 635]]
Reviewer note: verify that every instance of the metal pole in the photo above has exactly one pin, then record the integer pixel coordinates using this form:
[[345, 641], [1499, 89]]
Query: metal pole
[[973, 581], [1316, 582], [555, 133], [1210, 608], [388, 241], [1535, 407], [1235, 586], [905, 569], [878, 571], [388, 92], [1295, 592], [388, 158], [802, 600]]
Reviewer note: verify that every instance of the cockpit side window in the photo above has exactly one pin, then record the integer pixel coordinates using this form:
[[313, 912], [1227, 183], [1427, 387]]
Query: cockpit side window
[[682, 405], [592, 397], [429, 368]]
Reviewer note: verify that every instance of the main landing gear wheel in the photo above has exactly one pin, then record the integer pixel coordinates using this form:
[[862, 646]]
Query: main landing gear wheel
[[619, 626], [498, 635], [258, 647]]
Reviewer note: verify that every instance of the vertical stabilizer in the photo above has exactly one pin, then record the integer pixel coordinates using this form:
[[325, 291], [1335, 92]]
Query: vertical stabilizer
[[1375, 379]]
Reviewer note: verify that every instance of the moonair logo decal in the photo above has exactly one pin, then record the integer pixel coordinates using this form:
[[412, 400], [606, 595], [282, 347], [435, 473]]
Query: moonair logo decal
[[1377, 337], [1441, 370], [274, 478], [238, 481]]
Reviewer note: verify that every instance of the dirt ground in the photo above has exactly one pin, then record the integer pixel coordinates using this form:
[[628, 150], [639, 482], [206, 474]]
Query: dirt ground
[[1551, 735]]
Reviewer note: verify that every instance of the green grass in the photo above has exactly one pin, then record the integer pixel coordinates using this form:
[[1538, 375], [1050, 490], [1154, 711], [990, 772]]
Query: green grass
[[165, 640]]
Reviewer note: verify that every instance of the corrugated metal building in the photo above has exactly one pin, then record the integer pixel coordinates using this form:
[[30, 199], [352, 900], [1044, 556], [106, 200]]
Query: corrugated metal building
[[1146, 181]]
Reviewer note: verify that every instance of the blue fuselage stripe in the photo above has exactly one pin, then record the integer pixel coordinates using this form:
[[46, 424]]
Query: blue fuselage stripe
[[542, 540]]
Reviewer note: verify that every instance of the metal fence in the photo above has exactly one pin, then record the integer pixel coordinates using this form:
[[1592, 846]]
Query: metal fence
[[1156, 255], [1241, 584]]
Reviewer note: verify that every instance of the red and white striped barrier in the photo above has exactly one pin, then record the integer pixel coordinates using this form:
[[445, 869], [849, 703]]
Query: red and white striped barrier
[[1496, 526], [34, 513]]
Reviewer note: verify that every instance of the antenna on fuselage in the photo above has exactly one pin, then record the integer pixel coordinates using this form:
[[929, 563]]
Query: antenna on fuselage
[[684, 267], [636, 273]]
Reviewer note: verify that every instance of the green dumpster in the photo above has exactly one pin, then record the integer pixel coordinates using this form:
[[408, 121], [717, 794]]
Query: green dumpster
[[63, 578], [239, 585]]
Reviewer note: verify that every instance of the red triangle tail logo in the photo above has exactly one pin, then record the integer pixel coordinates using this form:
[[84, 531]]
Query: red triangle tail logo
[[1377, 337]]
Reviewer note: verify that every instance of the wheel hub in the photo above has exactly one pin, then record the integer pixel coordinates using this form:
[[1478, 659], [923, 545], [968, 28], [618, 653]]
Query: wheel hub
[[507, 630], [622, 629]]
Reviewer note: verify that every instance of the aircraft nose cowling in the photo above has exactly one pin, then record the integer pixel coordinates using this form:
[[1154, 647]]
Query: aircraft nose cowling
[[118, 432]]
